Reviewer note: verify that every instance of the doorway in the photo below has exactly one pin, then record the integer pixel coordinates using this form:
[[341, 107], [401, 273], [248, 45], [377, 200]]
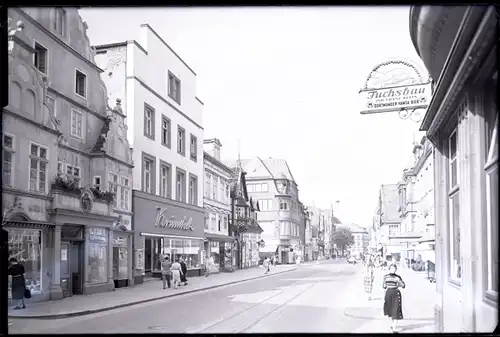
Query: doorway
[[72, 268]]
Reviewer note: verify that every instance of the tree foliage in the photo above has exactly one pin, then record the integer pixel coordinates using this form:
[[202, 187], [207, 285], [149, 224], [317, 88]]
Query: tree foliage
[[343, 238]]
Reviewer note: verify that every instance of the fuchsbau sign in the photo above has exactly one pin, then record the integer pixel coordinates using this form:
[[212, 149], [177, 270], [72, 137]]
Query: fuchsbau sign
[[408, 97], [162, 220]]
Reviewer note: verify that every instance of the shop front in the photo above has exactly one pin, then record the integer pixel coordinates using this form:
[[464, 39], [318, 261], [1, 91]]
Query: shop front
[[122, 259], [221, 249], [165, 227], [250, 249]]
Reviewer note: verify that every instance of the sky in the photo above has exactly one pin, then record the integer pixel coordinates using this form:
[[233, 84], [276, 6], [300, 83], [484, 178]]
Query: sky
[[283, 82]]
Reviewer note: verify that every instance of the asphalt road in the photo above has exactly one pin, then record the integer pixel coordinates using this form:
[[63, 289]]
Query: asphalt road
[[313, 298]]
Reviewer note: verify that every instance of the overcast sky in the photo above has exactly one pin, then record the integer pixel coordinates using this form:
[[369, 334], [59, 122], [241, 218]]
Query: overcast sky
[[285, 83]]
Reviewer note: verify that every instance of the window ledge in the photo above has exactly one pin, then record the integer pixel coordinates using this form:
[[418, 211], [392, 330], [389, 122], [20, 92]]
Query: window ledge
[[455, 283]]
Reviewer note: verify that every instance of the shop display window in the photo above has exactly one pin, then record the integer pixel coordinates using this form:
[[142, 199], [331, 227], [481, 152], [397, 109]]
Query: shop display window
[[98, 257], [188, 249], [215, 253], [25, 245]]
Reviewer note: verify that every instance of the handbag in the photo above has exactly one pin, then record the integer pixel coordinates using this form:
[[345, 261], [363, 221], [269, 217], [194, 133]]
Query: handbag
[[27, 293]]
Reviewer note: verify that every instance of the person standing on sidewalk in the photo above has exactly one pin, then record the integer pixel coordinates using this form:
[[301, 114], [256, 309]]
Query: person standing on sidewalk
[[369, 277], [184, 271], [176, 273], [165, 271], [393, 303], [17, 272], [266, 264]]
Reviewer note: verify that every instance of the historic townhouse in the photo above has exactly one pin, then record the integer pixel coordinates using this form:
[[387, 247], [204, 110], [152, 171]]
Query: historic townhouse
[[271, 184], [217, 203], [458, 45], [387, 223], [165, 130], [67, 218]]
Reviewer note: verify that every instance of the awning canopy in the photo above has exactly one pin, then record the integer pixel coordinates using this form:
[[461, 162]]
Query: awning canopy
[[26, 224], [218, 237]]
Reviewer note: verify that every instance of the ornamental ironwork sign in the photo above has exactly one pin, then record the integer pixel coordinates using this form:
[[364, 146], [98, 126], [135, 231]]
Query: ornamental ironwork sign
[[396, 85]]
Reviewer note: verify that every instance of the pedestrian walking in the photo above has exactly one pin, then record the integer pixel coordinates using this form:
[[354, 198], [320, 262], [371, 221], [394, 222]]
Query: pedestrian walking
[[165, 271], [208, 267], [17, 272], [176, 273], [267, 264], [184, 271], [393, 303], [369, 277]]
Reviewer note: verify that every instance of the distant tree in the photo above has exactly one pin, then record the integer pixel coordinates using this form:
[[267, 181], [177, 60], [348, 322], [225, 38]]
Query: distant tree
[[343, 238]]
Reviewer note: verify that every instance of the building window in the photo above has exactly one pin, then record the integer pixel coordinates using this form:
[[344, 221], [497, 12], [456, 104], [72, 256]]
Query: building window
[[25, 245], [193, 190], [283, 205], [394, 229], [193, 148], [265, 187], [491, 170], [221, 192], [180, 185], [8, 160], [454, 209], [124, 193], [38, 168], [165, 180], [181, 141], [174, 88], [40, 58], [76, 123], [73, 172], [206, 221], [208, 178], [113, 186], [147, 175], [227, 191], [97, 182], [149, 121], [80, 84], [258, 187], [59, 23], [165, 131], [225, 220], [215, 188], [266, 205]]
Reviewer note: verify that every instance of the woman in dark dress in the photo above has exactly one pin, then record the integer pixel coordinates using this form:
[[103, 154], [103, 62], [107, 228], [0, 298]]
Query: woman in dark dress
[[393, 304], [16, 270], [184, 271]]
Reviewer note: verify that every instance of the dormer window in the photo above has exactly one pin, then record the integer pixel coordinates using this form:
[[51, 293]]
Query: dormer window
[[59, 23]]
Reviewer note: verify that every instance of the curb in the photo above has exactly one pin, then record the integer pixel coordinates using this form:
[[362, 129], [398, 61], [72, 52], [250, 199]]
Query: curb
[[118, 306]]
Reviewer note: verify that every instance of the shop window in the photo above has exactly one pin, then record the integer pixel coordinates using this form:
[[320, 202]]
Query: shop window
[[25, 245], [187, 249], [98, 257], [455, 270]]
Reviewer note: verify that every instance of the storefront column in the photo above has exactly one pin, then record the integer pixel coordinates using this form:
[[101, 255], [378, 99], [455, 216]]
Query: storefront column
[[86, 258], [130, 260], [111, 282], [55, 290]]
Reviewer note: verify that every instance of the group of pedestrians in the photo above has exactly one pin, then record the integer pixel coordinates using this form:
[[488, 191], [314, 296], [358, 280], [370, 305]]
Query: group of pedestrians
[[392, 283], [173, 272]]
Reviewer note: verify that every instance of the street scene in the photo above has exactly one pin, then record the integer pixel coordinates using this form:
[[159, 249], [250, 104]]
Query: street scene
[[250, 170]]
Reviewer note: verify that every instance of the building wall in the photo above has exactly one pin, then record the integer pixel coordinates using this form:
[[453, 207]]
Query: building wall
[[219, 201]]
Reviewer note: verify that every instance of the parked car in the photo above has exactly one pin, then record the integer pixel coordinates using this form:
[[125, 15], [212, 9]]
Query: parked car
[[352, 260]]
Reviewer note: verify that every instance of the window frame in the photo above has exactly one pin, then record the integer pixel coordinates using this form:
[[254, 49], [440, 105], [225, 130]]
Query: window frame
[[215, 187], [152, 183], [208, 181], [183, 185], [181, 151], [113, 186], [12, 152], [35, 43], [148, 107], [193, 157], [453, 191], [77, 70], [266, 185], [73, 113], [98, 186], [168, 179], [73, 175], [167, 142], [125, 190], [195, 200], [38, 167], [284, 202], [177, 81], [62, 11]]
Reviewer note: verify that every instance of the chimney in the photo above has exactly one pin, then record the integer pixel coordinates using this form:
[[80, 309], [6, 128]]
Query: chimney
[[212, 147]]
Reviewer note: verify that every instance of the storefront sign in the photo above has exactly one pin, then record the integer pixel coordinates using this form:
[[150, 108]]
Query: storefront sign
[[163, 221], [139, 259], [98, 235], [121, 241], [407, 97]]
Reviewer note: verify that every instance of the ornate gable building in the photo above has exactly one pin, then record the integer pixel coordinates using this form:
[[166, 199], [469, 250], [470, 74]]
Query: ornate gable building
[[66, 165]]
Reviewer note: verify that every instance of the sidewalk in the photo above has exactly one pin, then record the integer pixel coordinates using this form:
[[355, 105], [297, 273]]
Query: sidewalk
[[80, 305], [418, 305]]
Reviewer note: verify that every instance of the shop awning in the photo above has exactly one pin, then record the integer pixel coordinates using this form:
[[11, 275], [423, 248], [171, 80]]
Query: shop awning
[[218, 237], [26, 224]]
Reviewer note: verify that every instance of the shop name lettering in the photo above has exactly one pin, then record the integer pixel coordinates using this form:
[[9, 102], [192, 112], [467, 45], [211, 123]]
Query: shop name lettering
[[163, 221], [396, 93]]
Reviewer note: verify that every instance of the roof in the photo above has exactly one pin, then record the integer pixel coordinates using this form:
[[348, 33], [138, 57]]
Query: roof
[[353, 227], [257, 167], [389, 202]]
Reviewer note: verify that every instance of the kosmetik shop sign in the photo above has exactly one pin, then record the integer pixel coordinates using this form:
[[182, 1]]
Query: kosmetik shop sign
[[409, 97]]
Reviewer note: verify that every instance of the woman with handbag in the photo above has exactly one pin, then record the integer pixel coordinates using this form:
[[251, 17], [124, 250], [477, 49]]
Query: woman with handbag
[[19, 291]]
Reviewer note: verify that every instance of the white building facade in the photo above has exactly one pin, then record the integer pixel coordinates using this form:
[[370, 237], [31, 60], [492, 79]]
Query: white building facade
[[217, 204], [158, 90]]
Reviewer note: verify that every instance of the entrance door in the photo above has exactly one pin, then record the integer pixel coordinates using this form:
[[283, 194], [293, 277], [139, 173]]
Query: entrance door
[[65, 270], [148, 256], [76, 267]]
